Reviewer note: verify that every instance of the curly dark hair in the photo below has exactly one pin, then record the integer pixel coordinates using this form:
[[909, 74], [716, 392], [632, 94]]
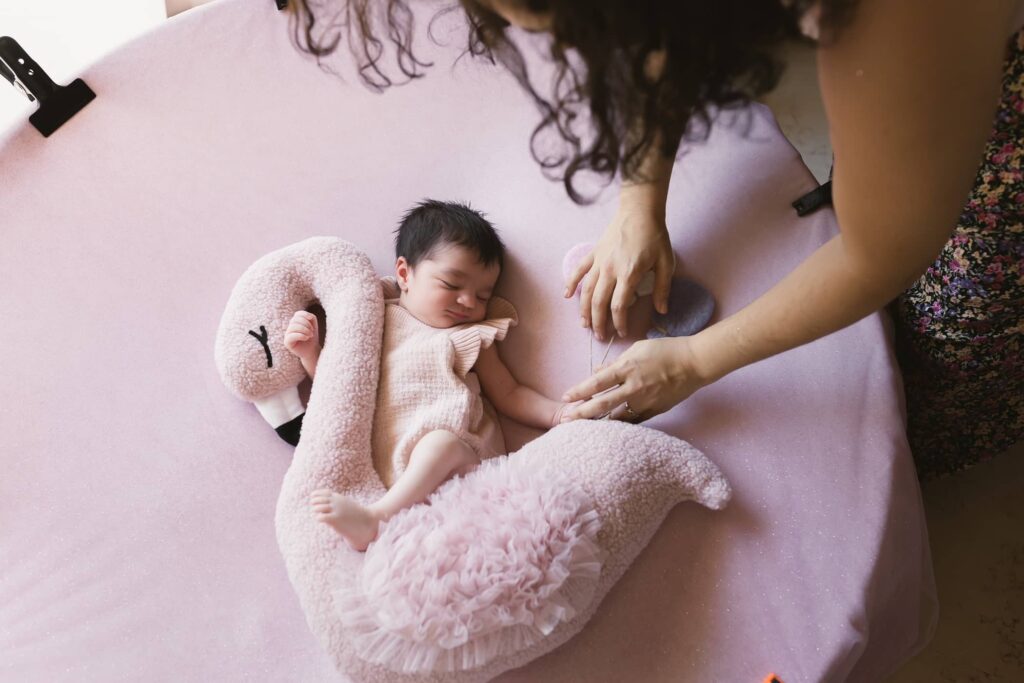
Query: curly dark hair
[[713, 54]]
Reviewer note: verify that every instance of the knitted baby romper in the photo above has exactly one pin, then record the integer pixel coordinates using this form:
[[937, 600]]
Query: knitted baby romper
[[426, 383]]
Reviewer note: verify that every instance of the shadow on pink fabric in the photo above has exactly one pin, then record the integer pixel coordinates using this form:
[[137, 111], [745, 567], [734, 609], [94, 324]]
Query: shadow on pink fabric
[[501, 566]]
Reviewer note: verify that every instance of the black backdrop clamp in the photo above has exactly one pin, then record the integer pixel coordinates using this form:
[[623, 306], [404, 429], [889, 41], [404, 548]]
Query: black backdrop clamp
[[57, 103], [814, 200]]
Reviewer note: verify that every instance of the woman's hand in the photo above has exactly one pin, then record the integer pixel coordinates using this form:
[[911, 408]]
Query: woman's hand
[[649, 378], [635, 242]]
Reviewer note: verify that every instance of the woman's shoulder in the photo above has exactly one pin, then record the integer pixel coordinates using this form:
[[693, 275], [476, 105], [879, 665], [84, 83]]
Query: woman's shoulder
[[809, 19]]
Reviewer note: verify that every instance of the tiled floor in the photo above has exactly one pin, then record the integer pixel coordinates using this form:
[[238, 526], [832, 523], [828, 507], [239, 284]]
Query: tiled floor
[[976, 525], [975, 520]]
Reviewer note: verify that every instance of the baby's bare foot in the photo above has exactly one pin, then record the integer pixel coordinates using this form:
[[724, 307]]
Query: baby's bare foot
[[356, 524]]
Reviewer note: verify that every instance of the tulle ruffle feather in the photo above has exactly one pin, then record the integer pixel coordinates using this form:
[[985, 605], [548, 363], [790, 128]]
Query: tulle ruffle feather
[[491, 565]]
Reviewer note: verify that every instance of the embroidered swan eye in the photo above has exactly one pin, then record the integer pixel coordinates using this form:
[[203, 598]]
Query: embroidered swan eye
[[262, 339]]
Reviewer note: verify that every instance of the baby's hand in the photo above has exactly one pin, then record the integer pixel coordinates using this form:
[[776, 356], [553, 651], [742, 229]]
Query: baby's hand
[[561, 415], [302, 337]]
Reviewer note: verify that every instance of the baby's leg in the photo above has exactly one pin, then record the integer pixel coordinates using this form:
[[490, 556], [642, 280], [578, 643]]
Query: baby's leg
[[438, 455]]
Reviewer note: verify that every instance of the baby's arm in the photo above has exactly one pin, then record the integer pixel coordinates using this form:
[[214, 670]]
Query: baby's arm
[[302, 338], [513, 399]]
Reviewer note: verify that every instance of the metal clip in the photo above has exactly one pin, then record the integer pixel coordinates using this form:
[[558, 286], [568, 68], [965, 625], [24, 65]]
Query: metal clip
[[13, 79], [814, 200], [57, 103]]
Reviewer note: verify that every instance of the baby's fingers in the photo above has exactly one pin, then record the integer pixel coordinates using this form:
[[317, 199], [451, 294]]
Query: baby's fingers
[[304, 318], [293, 338], [295, 328]]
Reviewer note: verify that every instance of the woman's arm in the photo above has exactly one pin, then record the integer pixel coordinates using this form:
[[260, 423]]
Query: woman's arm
[[511, 398], [910, 89]]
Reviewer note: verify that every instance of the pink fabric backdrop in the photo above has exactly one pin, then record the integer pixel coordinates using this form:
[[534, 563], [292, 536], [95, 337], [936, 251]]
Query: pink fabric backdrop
[[137, 496]]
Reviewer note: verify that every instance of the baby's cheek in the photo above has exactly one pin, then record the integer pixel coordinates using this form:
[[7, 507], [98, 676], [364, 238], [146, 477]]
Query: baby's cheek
[[439, 300]]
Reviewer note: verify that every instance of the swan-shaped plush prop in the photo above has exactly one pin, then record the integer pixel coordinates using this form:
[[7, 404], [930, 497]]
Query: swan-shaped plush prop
[[502, 565]]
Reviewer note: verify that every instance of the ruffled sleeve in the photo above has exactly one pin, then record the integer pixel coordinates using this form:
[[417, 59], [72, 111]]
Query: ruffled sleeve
[[389, 285], [469, 339]]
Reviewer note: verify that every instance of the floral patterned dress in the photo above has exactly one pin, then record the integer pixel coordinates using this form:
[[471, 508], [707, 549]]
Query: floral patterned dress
[[960, 328]]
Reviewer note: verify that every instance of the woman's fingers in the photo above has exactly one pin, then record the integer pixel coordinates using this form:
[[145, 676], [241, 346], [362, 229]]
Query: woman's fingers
[[601, 405], [622, 299], [601, 380], [586, 294], [663, 271], [600, 304], [627, 413], [581, 269]]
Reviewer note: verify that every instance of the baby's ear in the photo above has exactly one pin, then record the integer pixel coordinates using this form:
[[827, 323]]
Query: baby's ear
[[402, 270]]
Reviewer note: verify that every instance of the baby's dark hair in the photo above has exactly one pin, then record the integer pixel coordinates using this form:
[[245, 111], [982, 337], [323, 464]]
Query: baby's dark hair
[[432, 224]]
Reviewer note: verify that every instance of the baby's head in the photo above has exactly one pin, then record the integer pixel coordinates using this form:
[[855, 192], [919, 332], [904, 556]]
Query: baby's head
[[449, 259]]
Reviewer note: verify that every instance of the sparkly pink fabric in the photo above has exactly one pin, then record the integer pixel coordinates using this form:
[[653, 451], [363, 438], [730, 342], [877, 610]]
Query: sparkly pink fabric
[[137, 497]]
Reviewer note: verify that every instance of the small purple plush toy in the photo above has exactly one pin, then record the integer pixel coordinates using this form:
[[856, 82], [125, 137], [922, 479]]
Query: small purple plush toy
[[689, 309], [690, 306]]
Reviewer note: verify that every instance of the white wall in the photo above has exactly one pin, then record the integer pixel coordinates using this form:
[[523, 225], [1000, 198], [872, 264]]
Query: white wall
[[65, 36]]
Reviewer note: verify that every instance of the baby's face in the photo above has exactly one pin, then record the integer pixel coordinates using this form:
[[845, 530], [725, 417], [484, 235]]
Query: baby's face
[[449, 288]]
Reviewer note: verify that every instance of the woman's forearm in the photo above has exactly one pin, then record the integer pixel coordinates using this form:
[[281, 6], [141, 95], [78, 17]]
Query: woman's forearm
[[827, 292], [649, 190]]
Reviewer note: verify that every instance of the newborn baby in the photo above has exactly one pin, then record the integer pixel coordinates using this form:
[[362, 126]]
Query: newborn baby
[[440, 370]]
